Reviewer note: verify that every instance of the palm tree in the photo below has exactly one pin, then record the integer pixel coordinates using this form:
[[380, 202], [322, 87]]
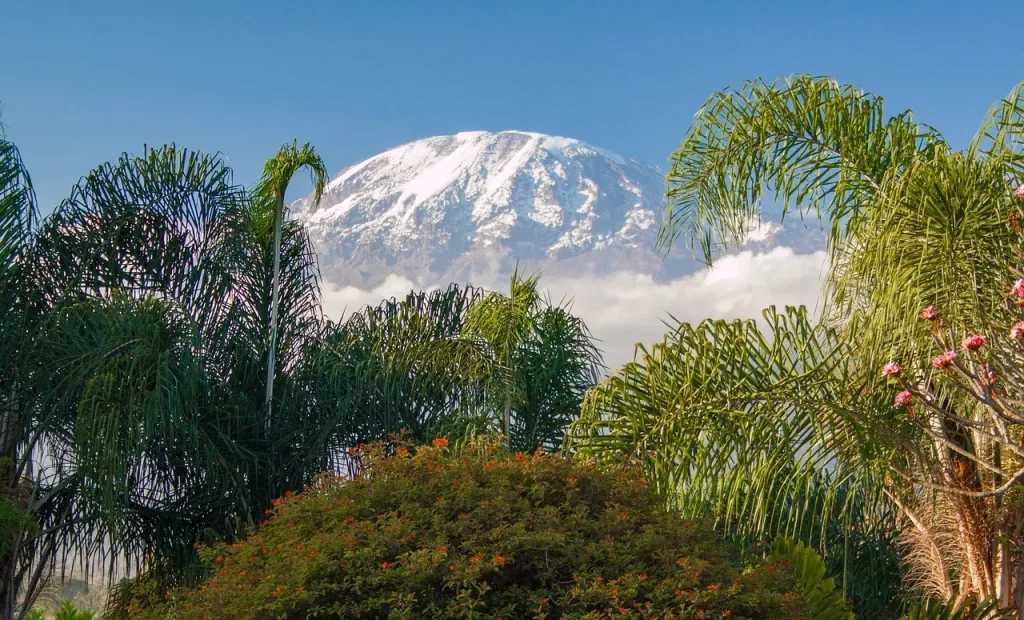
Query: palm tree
[[400, 367], [734, 419], [911, 222], [544, 360], [270, 193], [18, 218], [893, 195], [418, 365], [157, 277]]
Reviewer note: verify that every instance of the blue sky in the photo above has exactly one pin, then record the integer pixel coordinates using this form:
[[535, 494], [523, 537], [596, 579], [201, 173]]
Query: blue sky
[[85, 81]]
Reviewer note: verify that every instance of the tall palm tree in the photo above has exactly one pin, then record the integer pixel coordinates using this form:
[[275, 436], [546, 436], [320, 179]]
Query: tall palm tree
[[910, 222], [270, 193]]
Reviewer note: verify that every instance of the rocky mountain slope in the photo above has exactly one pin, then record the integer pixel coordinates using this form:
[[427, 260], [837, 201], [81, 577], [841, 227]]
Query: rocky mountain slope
[[468, 207]]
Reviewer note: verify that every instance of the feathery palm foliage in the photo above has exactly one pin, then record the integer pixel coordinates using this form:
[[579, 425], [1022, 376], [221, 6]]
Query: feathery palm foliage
[[20, 559], [748, 424], [544, 360], [166, 371], [401, 366], [424, 365], [910, 222], [151, 364]]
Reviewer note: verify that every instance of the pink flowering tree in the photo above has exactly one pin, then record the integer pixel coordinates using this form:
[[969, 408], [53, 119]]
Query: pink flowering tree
[[961, 488]]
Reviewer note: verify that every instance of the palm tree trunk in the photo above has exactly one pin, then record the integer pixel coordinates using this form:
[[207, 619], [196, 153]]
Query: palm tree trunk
[[275, 293], [8, 585], [508, 421]]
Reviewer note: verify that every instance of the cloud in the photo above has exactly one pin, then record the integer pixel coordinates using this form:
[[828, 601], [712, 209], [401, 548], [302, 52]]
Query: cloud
[[624, 308], [340, 302]]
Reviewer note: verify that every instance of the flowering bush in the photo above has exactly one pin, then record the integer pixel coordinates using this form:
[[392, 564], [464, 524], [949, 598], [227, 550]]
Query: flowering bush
[[966, 407], [426, 533]]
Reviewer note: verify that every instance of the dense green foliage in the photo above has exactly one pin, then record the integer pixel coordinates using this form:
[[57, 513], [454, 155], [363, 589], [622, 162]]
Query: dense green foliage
[[728, 422], [66, 611], [426, 364], [790, 428], [134, 366], [491, 533], [166, 371]]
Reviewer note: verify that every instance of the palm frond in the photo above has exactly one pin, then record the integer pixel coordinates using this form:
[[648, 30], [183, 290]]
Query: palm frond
[[1001, 136], [809, 142]]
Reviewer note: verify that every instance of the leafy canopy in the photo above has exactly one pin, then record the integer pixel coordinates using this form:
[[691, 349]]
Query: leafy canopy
[[485, 532]]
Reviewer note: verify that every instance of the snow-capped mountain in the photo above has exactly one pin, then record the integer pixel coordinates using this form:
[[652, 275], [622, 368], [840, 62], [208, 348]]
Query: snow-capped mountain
[[472, 205]]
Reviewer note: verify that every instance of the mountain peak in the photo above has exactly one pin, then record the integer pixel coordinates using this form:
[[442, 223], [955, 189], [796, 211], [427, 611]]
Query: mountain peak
[[446, 205], [470, 206]]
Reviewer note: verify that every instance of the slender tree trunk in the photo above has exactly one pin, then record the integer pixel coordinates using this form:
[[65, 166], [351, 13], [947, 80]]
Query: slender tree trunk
[[275, 293], [1004, 581], [508, 422], [975, 543], [8, 585]]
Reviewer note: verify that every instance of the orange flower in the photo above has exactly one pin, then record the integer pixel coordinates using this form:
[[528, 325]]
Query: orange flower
[[440, 442], [726, 613], [299, 589], [499, 560], [712, 587], [402, 451], [385, 565], [474, 559], [520, 456], [443, 548], [195, 545]]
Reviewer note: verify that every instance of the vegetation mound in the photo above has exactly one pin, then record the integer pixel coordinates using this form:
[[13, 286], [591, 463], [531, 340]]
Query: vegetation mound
[[430, 533]]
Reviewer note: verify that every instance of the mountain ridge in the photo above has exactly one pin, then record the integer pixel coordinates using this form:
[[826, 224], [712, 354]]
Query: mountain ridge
[[470, 206]]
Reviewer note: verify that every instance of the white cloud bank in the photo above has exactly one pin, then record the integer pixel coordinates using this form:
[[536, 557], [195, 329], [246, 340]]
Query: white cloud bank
[[623, 309]]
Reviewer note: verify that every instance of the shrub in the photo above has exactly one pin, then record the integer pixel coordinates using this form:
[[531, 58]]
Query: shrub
[[424, 533], [67, 611]]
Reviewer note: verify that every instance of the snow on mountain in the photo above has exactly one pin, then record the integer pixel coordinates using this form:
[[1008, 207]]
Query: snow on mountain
[[454, 207], [468, 207]]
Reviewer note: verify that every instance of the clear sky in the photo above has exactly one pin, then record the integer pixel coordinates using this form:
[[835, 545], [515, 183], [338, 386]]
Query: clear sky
[[84, 81]]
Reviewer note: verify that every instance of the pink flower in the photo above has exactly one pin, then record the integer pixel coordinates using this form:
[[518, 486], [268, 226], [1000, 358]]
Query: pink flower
[[1018, 289], [891, 369], [929, 314], [903, 399], [973, 343], [1017, 330], [945, 360], [1019, 192]]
